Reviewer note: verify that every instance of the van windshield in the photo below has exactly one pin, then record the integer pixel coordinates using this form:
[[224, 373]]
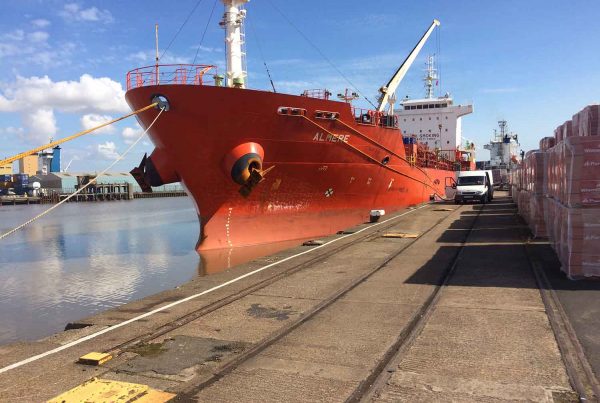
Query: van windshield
[[470, 180]]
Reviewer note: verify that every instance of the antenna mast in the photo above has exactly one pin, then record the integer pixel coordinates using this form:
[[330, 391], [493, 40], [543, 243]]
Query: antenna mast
[[233, 22], [502, 124], [430, 77]]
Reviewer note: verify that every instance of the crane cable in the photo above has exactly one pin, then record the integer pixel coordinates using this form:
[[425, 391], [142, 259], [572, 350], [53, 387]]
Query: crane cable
[[74, 136], [315, 47], [262, 55], [181, 28], [212, 10], [119, 158]]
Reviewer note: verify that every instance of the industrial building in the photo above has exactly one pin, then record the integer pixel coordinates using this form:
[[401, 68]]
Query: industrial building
[[49, 161], [70, 180], [6, 169], [28, 165]]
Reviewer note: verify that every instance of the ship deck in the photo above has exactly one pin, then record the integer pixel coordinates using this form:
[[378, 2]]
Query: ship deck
[[437, 302]]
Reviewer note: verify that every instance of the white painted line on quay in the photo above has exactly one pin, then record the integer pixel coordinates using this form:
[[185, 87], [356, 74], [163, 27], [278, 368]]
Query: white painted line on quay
[[172, 304]]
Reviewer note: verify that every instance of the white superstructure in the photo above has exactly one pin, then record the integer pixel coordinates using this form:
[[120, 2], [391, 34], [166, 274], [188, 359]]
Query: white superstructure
[[233, 22], [434, 121], [504, 148]]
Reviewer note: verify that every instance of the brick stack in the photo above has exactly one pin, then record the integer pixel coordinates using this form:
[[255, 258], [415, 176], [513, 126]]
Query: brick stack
[[569, 200], [536, 168], [588, 121], [546, 143]]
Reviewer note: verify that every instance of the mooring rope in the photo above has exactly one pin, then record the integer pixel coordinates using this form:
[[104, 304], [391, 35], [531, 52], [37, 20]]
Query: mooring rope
[[81, 189], [74, 136]]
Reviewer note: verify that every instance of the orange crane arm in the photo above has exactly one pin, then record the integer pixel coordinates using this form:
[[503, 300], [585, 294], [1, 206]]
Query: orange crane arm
[[74, 136]]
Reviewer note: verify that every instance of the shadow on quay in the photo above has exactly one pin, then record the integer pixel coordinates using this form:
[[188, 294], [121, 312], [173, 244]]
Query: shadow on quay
[[495, 256]]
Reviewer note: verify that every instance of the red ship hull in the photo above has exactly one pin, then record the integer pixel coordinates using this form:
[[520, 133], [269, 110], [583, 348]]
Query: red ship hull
[[317, 185]]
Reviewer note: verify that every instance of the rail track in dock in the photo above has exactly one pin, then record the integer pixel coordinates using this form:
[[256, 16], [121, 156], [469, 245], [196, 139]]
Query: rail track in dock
[[366, 316]]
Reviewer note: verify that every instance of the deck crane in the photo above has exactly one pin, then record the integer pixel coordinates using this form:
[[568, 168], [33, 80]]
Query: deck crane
[[387, 92]]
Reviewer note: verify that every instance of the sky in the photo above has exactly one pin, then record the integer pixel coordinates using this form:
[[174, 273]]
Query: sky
[[63, 63]]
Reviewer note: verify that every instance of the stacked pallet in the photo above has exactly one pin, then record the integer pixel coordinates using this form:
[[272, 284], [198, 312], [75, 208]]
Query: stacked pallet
[[529, 191], [547, 143], [568, 202]]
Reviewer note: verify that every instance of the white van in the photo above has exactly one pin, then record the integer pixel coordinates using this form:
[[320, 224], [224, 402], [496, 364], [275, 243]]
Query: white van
[[474, 186]]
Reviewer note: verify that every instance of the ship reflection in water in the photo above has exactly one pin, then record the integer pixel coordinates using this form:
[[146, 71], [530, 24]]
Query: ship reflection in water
[[84, 258]]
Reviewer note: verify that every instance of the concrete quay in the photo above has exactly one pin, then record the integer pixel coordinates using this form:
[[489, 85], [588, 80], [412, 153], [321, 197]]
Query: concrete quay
[[435, 303]]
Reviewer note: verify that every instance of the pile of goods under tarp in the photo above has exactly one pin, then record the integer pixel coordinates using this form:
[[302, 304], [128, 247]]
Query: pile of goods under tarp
[[557, 190]]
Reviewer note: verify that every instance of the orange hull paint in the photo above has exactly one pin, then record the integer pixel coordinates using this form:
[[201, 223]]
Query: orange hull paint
[[318, 185]]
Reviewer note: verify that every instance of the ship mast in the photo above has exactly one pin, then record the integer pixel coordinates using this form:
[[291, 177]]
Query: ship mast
[[233, 22], [430, 77]]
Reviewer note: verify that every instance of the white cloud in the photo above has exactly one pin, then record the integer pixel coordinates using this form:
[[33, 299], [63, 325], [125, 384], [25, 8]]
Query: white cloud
[[16, 35], [40, 23], [40, 125], [92, 120], [148, 57], [130, 134], [37, 98], [107, 151], [19, 47], [88, 95], [74, 12], [12, 131], [38, 36]]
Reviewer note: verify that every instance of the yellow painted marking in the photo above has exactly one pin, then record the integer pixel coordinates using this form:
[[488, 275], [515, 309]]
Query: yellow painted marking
[[399, 235], [94, 358], [443, 209], [155, 396], [104, 390]]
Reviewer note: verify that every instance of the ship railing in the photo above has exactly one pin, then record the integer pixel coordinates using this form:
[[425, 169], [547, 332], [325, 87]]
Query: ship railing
[[449, 155], [317, 93], [167, 74], [437, 159], [374, 118]]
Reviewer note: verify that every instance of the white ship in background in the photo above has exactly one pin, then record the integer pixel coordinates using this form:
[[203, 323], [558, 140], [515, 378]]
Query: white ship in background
[[435, 121], [504, 149]]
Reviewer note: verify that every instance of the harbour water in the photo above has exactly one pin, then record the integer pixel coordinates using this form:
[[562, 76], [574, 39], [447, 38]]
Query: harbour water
[[84, 258]]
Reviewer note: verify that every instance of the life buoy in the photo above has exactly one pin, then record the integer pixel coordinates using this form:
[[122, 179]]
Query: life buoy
[[242, 160]]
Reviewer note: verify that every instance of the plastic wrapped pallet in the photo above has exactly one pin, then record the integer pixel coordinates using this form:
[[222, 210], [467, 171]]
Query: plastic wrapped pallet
[[558, 134], [554, 170], [535, 163], [546, 143], [575, 126], [580, 251], [588, 121], [567, 129], [524, 205], [581, 159], [537, 222], [550, 219]]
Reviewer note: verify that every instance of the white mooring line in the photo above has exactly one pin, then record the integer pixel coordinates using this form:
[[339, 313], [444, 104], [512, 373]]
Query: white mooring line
[[81, 189]]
